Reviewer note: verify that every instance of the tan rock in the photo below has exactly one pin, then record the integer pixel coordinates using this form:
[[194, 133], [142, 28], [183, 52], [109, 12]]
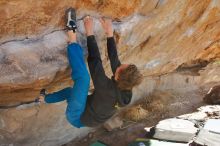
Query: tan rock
[[175, 43]]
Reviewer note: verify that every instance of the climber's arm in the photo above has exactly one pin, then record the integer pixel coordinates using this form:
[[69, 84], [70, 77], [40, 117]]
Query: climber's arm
[[111, 45], [95, 63], [112, 54]]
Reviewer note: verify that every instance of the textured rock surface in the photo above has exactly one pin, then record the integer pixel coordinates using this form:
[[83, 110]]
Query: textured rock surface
[[44, 125], [176, 43]]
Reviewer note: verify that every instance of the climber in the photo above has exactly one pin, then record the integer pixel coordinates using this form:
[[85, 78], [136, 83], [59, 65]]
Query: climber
[[75, 96], [108, 93]]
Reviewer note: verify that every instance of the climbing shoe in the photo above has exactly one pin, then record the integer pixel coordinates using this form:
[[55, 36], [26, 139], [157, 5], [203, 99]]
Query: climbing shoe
[[42, 93], [71, 19]]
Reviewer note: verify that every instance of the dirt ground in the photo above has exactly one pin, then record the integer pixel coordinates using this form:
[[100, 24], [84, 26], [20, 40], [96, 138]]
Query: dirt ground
[[160, 105]]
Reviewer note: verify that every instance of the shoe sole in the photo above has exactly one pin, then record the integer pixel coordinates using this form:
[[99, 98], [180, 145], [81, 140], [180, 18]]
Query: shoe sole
[[70, 17]]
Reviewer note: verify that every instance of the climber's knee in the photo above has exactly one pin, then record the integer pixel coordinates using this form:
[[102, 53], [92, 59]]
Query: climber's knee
[[74, 120]]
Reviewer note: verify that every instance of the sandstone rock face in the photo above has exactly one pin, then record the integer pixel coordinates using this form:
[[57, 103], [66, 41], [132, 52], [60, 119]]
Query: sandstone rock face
[[40, 125], [175, 43]]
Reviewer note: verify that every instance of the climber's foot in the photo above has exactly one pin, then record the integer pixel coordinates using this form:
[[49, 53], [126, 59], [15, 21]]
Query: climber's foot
[[71, 19], [41, 98], [88, 24]]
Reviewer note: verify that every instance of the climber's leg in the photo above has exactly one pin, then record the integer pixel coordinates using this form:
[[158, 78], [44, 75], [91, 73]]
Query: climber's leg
[[71, 36], [76, 97], [58, 96], [76, 102], [61, 95]]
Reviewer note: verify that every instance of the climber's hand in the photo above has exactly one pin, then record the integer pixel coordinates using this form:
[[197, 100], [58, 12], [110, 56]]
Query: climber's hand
[[88, 24], [107, 26]]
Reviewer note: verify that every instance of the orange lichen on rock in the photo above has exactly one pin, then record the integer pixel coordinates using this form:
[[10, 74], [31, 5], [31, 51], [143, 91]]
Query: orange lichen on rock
[[22, 17]]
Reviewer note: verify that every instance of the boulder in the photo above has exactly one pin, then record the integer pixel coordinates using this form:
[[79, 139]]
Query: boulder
[[175, 44]]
